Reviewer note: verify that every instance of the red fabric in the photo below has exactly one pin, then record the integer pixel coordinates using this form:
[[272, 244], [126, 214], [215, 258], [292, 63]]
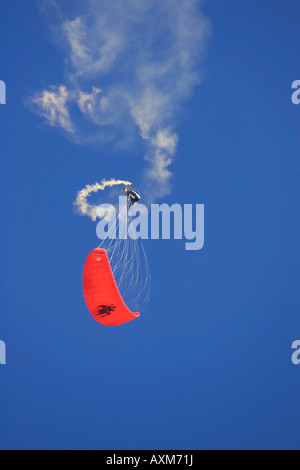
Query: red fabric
[[101, 293]]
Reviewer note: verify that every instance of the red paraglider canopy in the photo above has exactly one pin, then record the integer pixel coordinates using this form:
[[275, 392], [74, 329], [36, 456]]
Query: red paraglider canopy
[[101, 293]]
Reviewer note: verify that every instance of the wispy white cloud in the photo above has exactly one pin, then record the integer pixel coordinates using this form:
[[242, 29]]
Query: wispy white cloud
[[94, 106], [130, 60], [53, 106], [91, 51]]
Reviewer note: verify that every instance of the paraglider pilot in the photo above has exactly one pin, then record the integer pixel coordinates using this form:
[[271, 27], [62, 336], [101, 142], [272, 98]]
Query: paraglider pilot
[[132, 195]]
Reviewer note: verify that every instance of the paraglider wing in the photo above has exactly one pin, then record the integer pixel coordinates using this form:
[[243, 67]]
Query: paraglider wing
[[101, 293]]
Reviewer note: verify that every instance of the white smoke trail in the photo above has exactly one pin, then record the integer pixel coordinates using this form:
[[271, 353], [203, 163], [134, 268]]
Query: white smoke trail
[[81, 203], [130, 65]]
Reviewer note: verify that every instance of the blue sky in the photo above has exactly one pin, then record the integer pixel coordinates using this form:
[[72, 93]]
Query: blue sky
[[208, 364]]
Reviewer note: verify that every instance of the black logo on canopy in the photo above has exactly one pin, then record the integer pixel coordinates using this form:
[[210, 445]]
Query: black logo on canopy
[[105, 310]]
